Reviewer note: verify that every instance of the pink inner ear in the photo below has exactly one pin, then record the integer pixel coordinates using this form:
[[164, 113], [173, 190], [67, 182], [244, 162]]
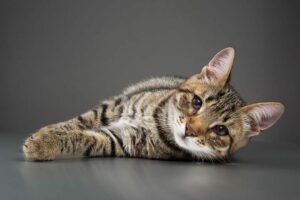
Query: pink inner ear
[[264, 116], [220, 60], [209, 74], [267, 121]]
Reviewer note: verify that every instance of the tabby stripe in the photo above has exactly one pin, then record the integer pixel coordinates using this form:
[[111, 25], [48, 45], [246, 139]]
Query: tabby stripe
[[66, 143], [81, 120], [120, 142], [227, 110], [120, 111], [95, 111], [134, 105], [73, 144], [184, 90], [118, 101], [112, 142], [90, 147], [67, 127], [161, 132], [149, 89], [209, 99], [68, 149], [219, 95], [85, 123], [103, 118], [61, 146], [230, 144], [226, 118], [143, 136]]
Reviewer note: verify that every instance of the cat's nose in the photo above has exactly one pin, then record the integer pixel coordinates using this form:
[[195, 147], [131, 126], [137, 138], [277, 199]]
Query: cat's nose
[[189, 131]]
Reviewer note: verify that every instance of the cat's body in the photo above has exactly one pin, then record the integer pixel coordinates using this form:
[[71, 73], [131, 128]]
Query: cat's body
[[155, 119]]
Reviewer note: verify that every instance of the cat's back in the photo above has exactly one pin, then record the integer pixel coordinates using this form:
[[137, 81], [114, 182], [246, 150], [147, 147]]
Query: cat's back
[[153, 84]]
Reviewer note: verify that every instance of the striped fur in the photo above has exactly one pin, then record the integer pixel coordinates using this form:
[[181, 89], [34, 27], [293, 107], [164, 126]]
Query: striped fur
[[148, 120]]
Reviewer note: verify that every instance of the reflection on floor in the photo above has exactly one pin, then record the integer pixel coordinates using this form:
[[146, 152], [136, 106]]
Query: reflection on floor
[[263, 170]]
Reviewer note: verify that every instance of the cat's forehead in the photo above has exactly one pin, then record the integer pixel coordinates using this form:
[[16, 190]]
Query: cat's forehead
[[224, 101]]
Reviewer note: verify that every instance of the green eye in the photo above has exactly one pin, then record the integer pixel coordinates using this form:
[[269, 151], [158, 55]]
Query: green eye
[[196, 102], [220, 130]]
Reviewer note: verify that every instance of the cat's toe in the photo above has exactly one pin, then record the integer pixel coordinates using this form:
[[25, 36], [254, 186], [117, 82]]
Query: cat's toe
[[41, 146]]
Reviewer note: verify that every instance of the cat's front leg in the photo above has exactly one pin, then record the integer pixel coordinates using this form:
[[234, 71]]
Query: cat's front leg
[[48, 144], [42, 145]]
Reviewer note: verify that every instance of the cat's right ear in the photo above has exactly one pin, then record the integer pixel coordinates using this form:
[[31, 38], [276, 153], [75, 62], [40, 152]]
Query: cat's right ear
[[217, 71]]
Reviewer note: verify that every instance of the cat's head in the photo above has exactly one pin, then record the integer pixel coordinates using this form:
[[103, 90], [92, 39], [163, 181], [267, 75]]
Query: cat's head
[[208, 117]]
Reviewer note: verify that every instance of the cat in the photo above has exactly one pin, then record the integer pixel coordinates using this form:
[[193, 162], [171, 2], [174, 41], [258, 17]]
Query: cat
[[198, 118]]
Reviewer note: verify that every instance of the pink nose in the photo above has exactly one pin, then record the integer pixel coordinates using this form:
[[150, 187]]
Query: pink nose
[[189, 131]]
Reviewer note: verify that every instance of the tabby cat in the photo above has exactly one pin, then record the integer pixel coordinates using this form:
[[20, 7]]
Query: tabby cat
[[201, 117]]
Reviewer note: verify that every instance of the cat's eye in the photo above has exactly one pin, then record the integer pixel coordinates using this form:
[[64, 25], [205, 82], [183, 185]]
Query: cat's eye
[[220, 130], [196, 102]]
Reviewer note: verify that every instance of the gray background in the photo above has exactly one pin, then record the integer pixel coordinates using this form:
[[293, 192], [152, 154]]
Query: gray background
[[59, 58]]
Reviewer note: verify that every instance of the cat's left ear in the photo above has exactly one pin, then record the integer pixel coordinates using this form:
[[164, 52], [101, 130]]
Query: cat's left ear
[[217, 71], [261, 116]]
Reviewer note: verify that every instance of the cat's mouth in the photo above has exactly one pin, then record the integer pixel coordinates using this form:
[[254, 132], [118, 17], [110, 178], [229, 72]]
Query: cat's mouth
[[189, 131]]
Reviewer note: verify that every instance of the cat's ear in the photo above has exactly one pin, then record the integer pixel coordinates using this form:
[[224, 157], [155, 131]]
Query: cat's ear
[[218, 69], [261, 116]]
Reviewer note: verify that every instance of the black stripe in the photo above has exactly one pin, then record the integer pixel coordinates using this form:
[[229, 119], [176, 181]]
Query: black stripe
[[81, 127], [134, 104], [184, 90], [98, 149], [228, 109], [160, 128], [61, 146], [143, 136], [104, 119], [90, 147], [230, 145], [219, 95], [133, 139], [120, 142], [226, 118], [118, 101], [113, 147], [84, 123], [68, 149], [120, 111], [66, 143], [67, 127], [112, 143], [95, 111], [73, 143], [150, 89], [80, 119], [133, 111], [209, 99]]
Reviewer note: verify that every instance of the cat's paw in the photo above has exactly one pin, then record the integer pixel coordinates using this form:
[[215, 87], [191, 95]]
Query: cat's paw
[[41, 146]]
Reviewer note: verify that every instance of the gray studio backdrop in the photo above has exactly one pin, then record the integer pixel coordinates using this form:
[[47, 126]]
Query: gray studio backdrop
[[59, 58]]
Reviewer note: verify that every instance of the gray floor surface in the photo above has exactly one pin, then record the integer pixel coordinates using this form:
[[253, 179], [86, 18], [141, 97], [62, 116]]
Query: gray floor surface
[[263, 170]]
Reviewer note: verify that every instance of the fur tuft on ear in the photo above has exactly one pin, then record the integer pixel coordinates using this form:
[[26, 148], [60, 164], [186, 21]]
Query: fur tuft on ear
[[262, 116], [218, 69]]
